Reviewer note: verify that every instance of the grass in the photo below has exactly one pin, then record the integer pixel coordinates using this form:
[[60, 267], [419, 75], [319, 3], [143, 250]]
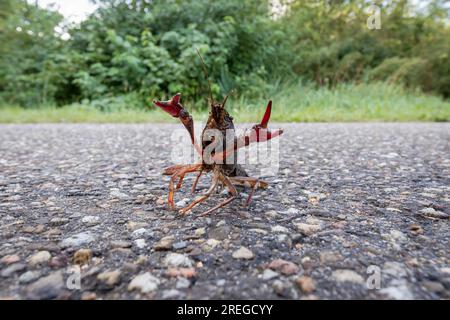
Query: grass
[[292, 103], [78, 114], [348, 102]]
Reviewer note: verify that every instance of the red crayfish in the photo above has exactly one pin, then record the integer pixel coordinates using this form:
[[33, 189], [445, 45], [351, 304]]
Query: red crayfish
[[223, 163]]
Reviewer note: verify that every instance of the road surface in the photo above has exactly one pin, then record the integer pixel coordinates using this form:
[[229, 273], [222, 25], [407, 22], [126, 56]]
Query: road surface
[[355, 211]]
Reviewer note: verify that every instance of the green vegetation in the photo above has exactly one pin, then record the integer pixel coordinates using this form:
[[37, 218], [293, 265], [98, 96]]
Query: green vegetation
[[296, 102], [318, 61]]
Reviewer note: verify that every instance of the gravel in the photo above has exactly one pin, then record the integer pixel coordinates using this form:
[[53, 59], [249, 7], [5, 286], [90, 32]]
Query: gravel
[[243, 253], [351, 204], [144, 282]]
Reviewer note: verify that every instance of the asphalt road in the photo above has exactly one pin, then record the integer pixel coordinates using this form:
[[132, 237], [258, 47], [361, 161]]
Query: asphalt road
[[355, 211]]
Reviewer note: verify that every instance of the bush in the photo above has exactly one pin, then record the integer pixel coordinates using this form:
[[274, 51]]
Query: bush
[[137, 50], [411, 72]]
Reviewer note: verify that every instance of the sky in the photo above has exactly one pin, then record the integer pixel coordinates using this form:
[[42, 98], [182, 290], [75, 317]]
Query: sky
[[73, 10]]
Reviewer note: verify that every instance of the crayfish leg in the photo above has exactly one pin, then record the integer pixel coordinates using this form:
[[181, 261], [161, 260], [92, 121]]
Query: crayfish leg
[[201, 198], [179, 171], [251, 182], [226, 181]]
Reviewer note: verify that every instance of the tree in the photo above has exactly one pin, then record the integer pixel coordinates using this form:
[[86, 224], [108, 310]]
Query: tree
[[32, 55]]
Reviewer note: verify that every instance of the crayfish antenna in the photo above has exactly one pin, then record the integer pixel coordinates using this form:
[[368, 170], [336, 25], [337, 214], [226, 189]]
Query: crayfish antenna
[[205, 70], [224, 101], [231, 92]]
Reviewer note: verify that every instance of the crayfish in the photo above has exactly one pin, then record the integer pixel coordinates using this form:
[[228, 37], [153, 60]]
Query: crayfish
[[217, 151]]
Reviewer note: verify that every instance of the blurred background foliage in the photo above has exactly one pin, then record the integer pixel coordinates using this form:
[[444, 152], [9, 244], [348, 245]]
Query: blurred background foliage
[[129, 52]]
